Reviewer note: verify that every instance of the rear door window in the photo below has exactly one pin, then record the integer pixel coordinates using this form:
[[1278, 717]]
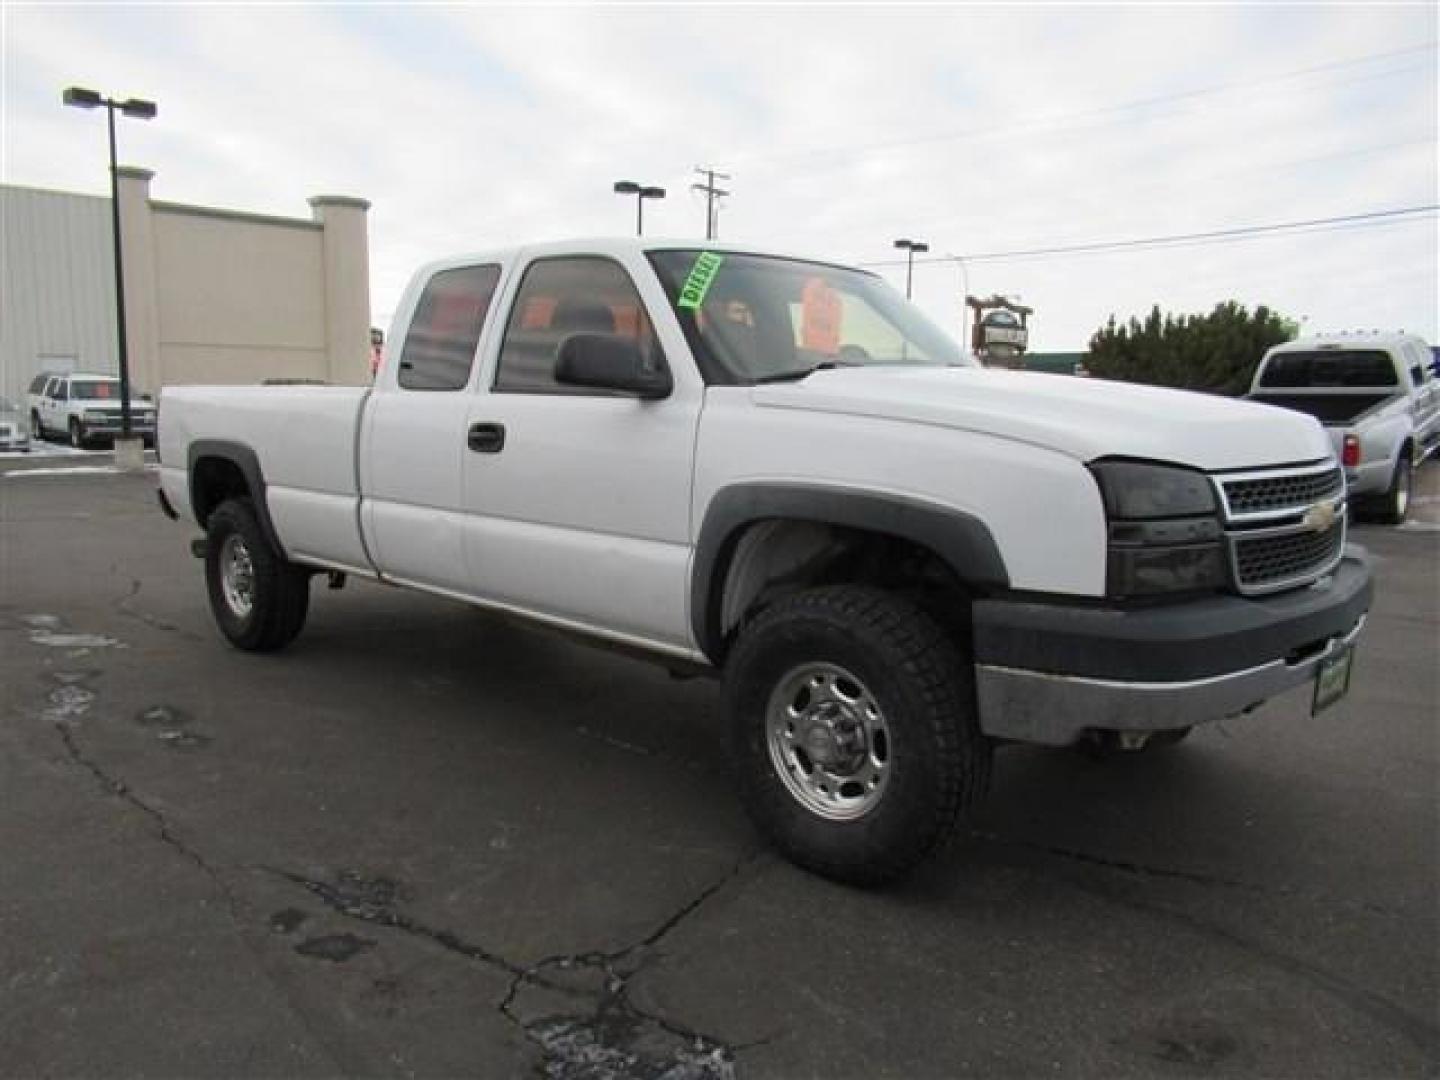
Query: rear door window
[[445, 330]]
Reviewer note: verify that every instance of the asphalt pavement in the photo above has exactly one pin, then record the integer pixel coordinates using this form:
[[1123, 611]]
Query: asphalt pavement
[[425, 841]]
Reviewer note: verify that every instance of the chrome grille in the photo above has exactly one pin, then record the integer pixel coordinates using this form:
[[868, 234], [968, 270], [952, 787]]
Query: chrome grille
[[1284, 527], [1276, 559], [1267, 495]]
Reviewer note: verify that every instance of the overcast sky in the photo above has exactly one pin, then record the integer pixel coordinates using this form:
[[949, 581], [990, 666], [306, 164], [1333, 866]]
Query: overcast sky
[[977, 129]]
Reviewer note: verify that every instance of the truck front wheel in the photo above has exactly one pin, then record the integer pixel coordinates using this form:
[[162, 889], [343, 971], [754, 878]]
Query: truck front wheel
[[258, 598], [853, 720]]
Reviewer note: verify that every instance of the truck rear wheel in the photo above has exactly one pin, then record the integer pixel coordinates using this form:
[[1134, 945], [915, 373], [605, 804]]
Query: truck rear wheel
[[259, 600], [1397, 498], [854, 727]]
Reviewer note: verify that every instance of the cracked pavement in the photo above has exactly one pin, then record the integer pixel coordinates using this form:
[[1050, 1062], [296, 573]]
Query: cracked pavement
[[425, 842]]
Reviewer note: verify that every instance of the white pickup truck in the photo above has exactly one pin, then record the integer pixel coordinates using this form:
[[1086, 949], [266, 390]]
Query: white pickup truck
[[1377, 396], [779, 471]]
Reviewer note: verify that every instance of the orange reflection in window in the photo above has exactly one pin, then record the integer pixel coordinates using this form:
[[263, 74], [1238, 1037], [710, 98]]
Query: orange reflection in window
[[539, 310], [820, 315]]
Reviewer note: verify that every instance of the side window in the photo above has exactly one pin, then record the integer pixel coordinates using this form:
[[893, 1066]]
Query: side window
[[60, 390], [37, 385], [1419, 370], [565, 296], [440, 344]]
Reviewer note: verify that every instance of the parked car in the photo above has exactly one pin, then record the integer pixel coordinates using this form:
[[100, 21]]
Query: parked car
[[1378, 397], [86, 408], [13, 433], [780, 472]]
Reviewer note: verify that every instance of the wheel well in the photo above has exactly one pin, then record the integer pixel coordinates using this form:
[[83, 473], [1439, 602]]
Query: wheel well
[[771, 558], [212, 481]]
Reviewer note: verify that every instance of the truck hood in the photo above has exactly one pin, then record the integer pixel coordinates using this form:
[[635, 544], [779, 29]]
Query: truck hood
[[1084, 418]]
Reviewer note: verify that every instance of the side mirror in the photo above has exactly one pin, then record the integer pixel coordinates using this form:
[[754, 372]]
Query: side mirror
[[611, 362]]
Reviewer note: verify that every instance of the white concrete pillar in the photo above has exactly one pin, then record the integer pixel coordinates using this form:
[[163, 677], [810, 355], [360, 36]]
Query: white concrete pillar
[[347, 287], [137, 255]]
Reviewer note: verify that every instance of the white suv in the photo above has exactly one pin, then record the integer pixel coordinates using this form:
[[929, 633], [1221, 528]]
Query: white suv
[[85, 408]]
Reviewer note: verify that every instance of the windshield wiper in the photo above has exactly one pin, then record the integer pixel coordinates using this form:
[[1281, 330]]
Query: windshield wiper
[[801, 373]]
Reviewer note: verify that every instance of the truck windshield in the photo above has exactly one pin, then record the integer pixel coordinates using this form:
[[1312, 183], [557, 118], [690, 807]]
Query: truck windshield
[[95, 389], [755, 318], [1329, 367]]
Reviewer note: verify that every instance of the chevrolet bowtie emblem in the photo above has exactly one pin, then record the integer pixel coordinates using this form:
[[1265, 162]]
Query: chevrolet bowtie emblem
[[1319, 517]]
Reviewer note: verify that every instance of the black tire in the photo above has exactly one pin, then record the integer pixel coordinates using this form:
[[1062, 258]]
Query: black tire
[[1104, 745], [37, 428], [77, 437], [1396, 504], [937, 761], [278, 591]]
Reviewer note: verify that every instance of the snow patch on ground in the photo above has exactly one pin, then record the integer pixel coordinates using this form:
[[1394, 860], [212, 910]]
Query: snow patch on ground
[[47, 630]]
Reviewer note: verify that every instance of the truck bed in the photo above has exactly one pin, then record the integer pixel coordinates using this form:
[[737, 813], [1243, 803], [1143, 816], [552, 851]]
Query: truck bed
[[305, 440]]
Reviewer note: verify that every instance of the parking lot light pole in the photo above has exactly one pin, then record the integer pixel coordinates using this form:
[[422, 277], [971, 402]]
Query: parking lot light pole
[[641, 193], [80, 98], [910, 247]]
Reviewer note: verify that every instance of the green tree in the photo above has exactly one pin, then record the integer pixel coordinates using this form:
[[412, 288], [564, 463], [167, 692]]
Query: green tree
[[1216, 352]]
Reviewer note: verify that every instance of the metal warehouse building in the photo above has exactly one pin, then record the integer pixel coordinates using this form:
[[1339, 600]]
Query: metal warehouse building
[[211, 296]]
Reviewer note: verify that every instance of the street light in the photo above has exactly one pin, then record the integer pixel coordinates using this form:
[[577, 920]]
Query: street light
[[910, 247], [80, 98], [641, 193]]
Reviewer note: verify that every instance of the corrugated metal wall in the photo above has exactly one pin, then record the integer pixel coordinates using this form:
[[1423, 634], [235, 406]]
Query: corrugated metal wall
[[57, 285]]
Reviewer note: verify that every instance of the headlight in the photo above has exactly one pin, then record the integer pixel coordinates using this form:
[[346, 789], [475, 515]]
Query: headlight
[[1136, 491], [1164, 534]]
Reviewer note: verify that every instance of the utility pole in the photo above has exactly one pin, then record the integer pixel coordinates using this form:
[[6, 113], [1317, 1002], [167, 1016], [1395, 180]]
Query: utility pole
[[711, 194]]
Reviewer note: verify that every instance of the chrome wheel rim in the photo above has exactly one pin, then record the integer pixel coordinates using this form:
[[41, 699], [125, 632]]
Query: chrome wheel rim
[[237, 576], [829, 741]]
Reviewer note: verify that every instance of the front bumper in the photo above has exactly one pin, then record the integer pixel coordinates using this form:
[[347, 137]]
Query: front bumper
[[110, 429], [1049, 672]]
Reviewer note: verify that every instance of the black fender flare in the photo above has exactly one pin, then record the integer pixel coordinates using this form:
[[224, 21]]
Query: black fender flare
[[962, 540], [246, 460]]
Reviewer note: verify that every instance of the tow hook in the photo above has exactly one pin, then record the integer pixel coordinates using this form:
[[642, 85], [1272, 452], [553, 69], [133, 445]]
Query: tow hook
[[335, 579], [199, 546]]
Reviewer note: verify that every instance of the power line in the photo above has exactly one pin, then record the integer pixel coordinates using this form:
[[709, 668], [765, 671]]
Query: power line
[[1011, 126], [1176, 240], [1193, 180]]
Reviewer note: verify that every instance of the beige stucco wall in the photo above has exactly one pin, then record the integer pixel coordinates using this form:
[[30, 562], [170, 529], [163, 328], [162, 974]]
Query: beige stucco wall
[[215, 296]]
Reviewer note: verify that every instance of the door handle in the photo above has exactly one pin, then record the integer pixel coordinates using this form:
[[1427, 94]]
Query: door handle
[[486, 438]]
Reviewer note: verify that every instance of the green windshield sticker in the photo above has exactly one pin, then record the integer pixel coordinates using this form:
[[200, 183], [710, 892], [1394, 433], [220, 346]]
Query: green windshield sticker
[[702, 275]]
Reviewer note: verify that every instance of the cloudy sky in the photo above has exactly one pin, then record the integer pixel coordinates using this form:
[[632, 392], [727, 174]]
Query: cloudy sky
[[982, 130]]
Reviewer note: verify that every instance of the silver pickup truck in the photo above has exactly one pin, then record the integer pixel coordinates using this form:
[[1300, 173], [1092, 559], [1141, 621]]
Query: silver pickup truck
[[1379, 399]]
